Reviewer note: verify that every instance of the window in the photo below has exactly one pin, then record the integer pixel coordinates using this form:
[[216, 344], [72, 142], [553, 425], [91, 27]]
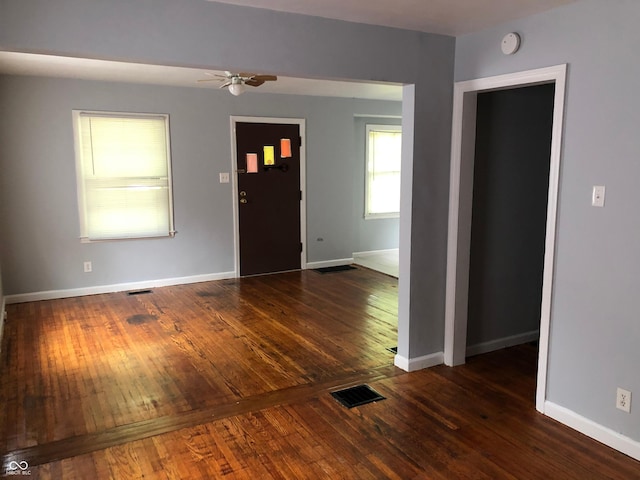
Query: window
[[382, 189], [124, 175]]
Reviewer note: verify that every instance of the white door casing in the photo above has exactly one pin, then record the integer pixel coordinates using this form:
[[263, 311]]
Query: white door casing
[[460, 207]]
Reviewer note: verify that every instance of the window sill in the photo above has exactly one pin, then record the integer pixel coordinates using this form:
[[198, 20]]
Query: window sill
[[380, 216], [101, 240]]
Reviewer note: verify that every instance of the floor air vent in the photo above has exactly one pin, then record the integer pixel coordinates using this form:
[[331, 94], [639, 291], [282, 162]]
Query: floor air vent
[[356, 396], [139, 292], [339, 268]]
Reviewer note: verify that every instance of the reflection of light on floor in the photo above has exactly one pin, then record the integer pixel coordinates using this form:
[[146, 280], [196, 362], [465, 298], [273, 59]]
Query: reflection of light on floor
[[382, 304], [114, 366], [385, 261]]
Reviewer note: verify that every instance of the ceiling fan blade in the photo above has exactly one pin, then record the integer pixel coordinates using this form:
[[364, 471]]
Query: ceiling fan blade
[[265, 78], [208, 80], [258, 80], [225, 84]]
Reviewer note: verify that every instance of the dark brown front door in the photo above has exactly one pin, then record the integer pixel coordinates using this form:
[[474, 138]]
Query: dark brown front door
[[268, 197]]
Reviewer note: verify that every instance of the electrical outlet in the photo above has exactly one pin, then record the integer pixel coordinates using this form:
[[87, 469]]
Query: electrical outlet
[[87, 267], [623, 400]]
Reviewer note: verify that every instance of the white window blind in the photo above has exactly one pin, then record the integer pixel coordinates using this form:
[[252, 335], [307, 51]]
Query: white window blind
[[124, 175], [383, 171]]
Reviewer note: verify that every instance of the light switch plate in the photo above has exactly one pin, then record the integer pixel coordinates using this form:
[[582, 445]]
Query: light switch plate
[[597, 198], [224, 178]]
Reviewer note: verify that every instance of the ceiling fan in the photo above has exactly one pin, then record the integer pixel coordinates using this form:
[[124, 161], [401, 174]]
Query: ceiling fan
[[237, 81]]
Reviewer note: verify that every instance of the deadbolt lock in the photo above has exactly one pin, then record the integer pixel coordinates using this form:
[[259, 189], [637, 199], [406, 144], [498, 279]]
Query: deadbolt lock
[[243, 194]]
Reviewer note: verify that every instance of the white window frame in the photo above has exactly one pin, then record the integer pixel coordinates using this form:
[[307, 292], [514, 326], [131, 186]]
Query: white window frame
[[80, 179], [367, 175]]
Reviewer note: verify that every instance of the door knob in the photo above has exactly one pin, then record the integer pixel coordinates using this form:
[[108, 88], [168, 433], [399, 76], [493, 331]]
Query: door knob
[[243, 194], [243, 200]]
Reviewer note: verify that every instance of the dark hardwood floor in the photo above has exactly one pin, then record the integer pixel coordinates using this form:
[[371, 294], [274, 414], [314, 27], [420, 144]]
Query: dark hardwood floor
[[232, 379]]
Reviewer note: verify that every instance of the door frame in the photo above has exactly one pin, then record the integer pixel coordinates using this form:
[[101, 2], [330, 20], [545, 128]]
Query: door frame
[[460, 207], [234, 181]]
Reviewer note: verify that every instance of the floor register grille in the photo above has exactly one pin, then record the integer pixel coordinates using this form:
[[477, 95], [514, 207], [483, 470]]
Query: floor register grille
[[356, 396]]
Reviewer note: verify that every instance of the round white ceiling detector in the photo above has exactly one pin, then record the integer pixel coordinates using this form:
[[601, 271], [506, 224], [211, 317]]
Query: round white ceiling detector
[[510, 43]]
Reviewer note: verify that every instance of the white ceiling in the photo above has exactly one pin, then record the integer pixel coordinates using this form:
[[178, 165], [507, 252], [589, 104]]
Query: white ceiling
[[450, 17], [453, 17]]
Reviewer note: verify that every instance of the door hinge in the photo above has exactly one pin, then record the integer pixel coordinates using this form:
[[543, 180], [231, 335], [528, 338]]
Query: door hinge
[[300, 195], [300, 141], [300, 246]]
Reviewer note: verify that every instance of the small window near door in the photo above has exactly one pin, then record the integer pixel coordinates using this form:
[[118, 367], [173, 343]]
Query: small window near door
[[124, 175], [382, 189]]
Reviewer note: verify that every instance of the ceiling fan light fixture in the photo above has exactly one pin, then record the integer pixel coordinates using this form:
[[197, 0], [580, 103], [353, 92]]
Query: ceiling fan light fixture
[[237, 88], [237, 82]]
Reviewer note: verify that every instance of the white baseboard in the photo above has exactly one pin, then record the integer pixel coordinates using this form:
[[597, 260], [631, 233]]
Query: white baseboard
[[501, 343], [329, 263], [120, 287], [372, 253], [419, 363], [598, 432]]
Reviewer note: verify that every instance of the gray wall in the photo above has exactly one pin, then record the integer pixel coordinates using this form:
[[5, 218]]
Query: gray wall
[[374, 233], [594, 318], [203, 34], [510, 188], [42, 250]]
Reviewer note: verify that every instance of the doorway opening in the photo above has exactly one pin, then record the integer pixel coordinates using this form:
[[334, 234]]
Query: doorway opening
[[510, 191], [461, 202]]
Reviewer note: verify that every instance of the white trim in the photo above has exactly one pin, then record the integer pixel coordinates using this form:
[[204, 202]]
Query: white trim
[[406, 216], [330, 263], [500, 343], [373, 115], [371, 253], [465, 94], [81, 180], [550, 241], [368, 128], [119, 287], [381, 216], [418, 363], [594, 430], [301, 122]]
